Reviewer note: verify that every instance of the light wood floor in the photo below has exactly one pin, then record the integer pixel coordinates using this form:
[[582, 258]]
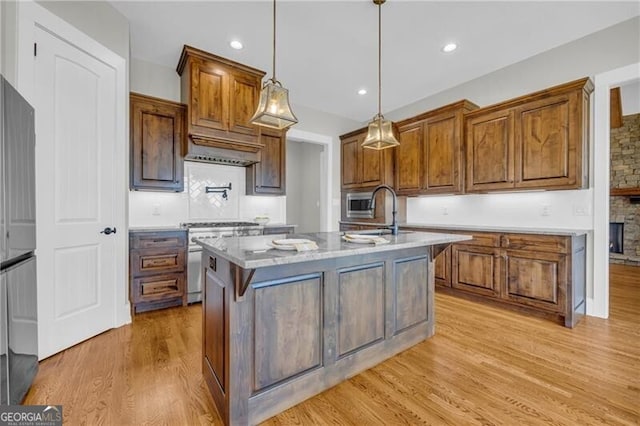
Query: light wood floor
[[484, 366]]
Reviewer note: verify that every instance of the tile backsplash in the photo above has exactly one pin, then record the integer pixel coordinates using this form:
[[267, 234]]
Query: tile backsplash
[[194, 204]]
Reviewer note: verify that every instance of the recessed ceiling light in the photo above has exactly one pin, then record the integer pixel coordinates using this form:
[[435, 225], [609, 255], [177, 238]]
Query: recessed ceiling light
[[236, 44], [449, 47], [362, 92]]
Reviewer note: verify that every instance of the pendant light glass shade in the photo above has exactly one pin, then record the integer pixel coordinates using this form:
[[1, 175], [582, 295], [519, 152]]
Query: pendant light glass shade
[[380, 134], [380, 131], [274, 110]]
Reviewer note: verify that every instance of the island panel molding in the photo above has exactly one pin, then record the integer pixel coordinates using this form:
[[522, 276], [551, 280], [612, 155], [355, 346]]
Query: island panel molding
[[307, 320]]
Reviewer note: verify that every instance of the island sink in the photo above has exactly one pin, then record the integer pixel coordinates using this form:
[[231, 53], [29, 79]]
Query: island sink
[[281, 326]]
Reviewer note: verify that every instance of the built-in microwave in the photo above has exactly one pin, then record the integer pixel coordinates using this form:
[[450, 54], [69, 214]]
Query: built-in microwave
[[359, 205]]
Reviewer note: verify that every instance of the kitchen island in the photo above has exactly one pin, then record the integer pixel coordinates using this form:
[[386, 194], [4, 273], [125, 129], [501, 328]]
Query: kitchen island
[[281, 326]]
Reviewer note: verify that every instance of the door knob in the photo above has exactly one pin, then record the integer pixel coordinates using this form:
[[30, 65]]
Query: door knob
[[108, 231]]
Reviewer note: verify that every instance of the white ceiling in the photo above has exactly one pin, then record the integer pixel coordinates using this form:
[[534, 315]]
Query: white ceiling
[[327, 50]]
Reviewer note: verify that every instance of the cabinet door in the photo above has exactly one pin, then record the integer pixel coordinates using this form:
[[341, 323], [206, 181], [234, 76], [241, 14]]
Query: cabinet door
[[243, 102], [536, 279], [476, 269], [441, 155], [371, 166], [546, 143], [442, 268], [490, 151], [350, 170], [209, 96], [409, 159], [157, 131], [268, 176]]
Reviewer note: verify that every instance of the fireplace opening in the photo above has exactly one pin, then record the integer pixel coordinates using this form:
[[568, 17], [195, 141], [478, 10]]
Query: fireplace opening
[[616, 237]]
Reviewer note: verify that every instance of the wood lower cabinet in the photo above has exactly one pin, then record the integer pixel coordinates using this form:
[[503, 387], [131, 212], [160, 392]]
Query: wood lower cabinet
[[442, 268], [535, 141], [268, 176], [156, 138], [476, 269], [535, 273], [157, 269], [536, 279], [429, 159], [278, 229], [345, 226], [362, 167]]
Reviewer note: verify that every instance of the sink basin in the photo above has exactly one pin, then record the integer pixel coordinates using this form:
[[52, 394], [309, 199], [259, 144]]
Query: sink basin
[[383, 231]]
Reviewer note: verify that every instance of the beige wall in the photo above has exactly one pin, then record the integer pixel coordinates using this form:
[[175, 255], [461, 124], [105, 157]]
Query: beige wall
[[601, 51], [98, 19]]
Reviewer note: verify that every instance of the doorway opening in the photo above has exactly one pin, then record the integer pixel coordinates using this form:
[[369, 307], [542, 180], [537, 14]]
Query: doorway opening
[[304, 185]]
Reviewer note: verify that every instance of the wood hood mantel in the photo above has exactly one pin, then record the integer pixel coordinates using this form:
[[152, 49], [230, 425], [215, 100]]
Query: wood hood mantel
[[625, 192]]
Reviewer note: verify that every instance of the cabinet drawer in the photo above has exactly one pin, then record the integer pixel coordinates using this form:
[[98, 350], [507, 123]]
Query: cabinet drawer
[[157, 287], [482, 239], [154, 261], [544, 243], [158, 239]]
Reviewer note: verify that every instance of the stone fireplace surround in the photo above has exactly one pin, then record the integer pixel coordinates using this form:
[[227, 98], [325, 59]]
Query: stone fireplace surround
[[625, 173]]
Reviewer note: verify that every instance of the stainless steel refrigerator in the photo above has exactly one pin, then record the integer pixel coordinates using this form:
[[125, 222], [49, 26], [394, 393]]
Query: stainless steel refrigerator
[[18, 309]]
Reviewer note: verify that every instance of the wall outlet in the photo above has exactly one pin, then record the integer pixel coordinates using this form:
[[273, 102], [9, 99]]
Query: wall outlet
[[545, 210], [155, 210], [581, 210]]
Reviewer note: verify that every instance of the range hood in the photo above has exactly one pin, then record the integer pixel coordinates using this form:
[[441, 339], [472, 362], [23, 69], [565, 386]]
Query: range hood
[[230, 153]]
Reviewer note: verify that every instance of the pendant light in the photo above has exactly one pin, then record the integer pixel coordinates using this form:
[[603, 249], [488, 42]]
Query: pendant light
[[380, 131], [274, 110]]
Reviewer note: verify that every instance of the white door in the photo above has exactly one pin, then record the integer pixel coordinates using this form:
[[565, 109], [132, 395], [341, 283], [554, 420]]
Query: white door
[[75, 145]]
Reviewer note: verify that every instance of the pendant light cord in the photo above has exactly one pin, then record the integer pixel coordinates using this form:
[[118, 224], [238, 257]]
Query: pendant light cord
[[274, 41], [380, 59]]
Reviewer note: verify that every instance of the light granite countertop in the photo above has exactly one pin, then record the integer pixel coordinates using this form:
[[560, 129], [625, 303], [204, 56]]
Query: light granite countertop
[[255, 252], [480, 228]]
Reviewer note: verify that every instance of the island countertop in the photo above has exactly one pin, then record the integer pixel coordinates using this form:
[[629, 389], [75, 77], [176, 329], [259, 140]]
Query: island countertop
[[251, 252]]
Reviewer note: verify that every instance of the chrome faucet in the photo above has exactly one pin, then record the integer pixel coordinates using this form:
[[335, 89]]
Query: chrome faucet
[[394, 209]]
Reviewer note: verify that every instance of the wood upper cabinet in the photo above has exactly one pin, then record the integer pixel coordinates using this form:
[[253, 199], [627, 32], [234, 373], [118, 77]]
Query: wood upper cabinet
[[430, 158], [363, 167], [490, 151], [409, 158], [268, 176], [221, 96], [156, 137], [531, 142]]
